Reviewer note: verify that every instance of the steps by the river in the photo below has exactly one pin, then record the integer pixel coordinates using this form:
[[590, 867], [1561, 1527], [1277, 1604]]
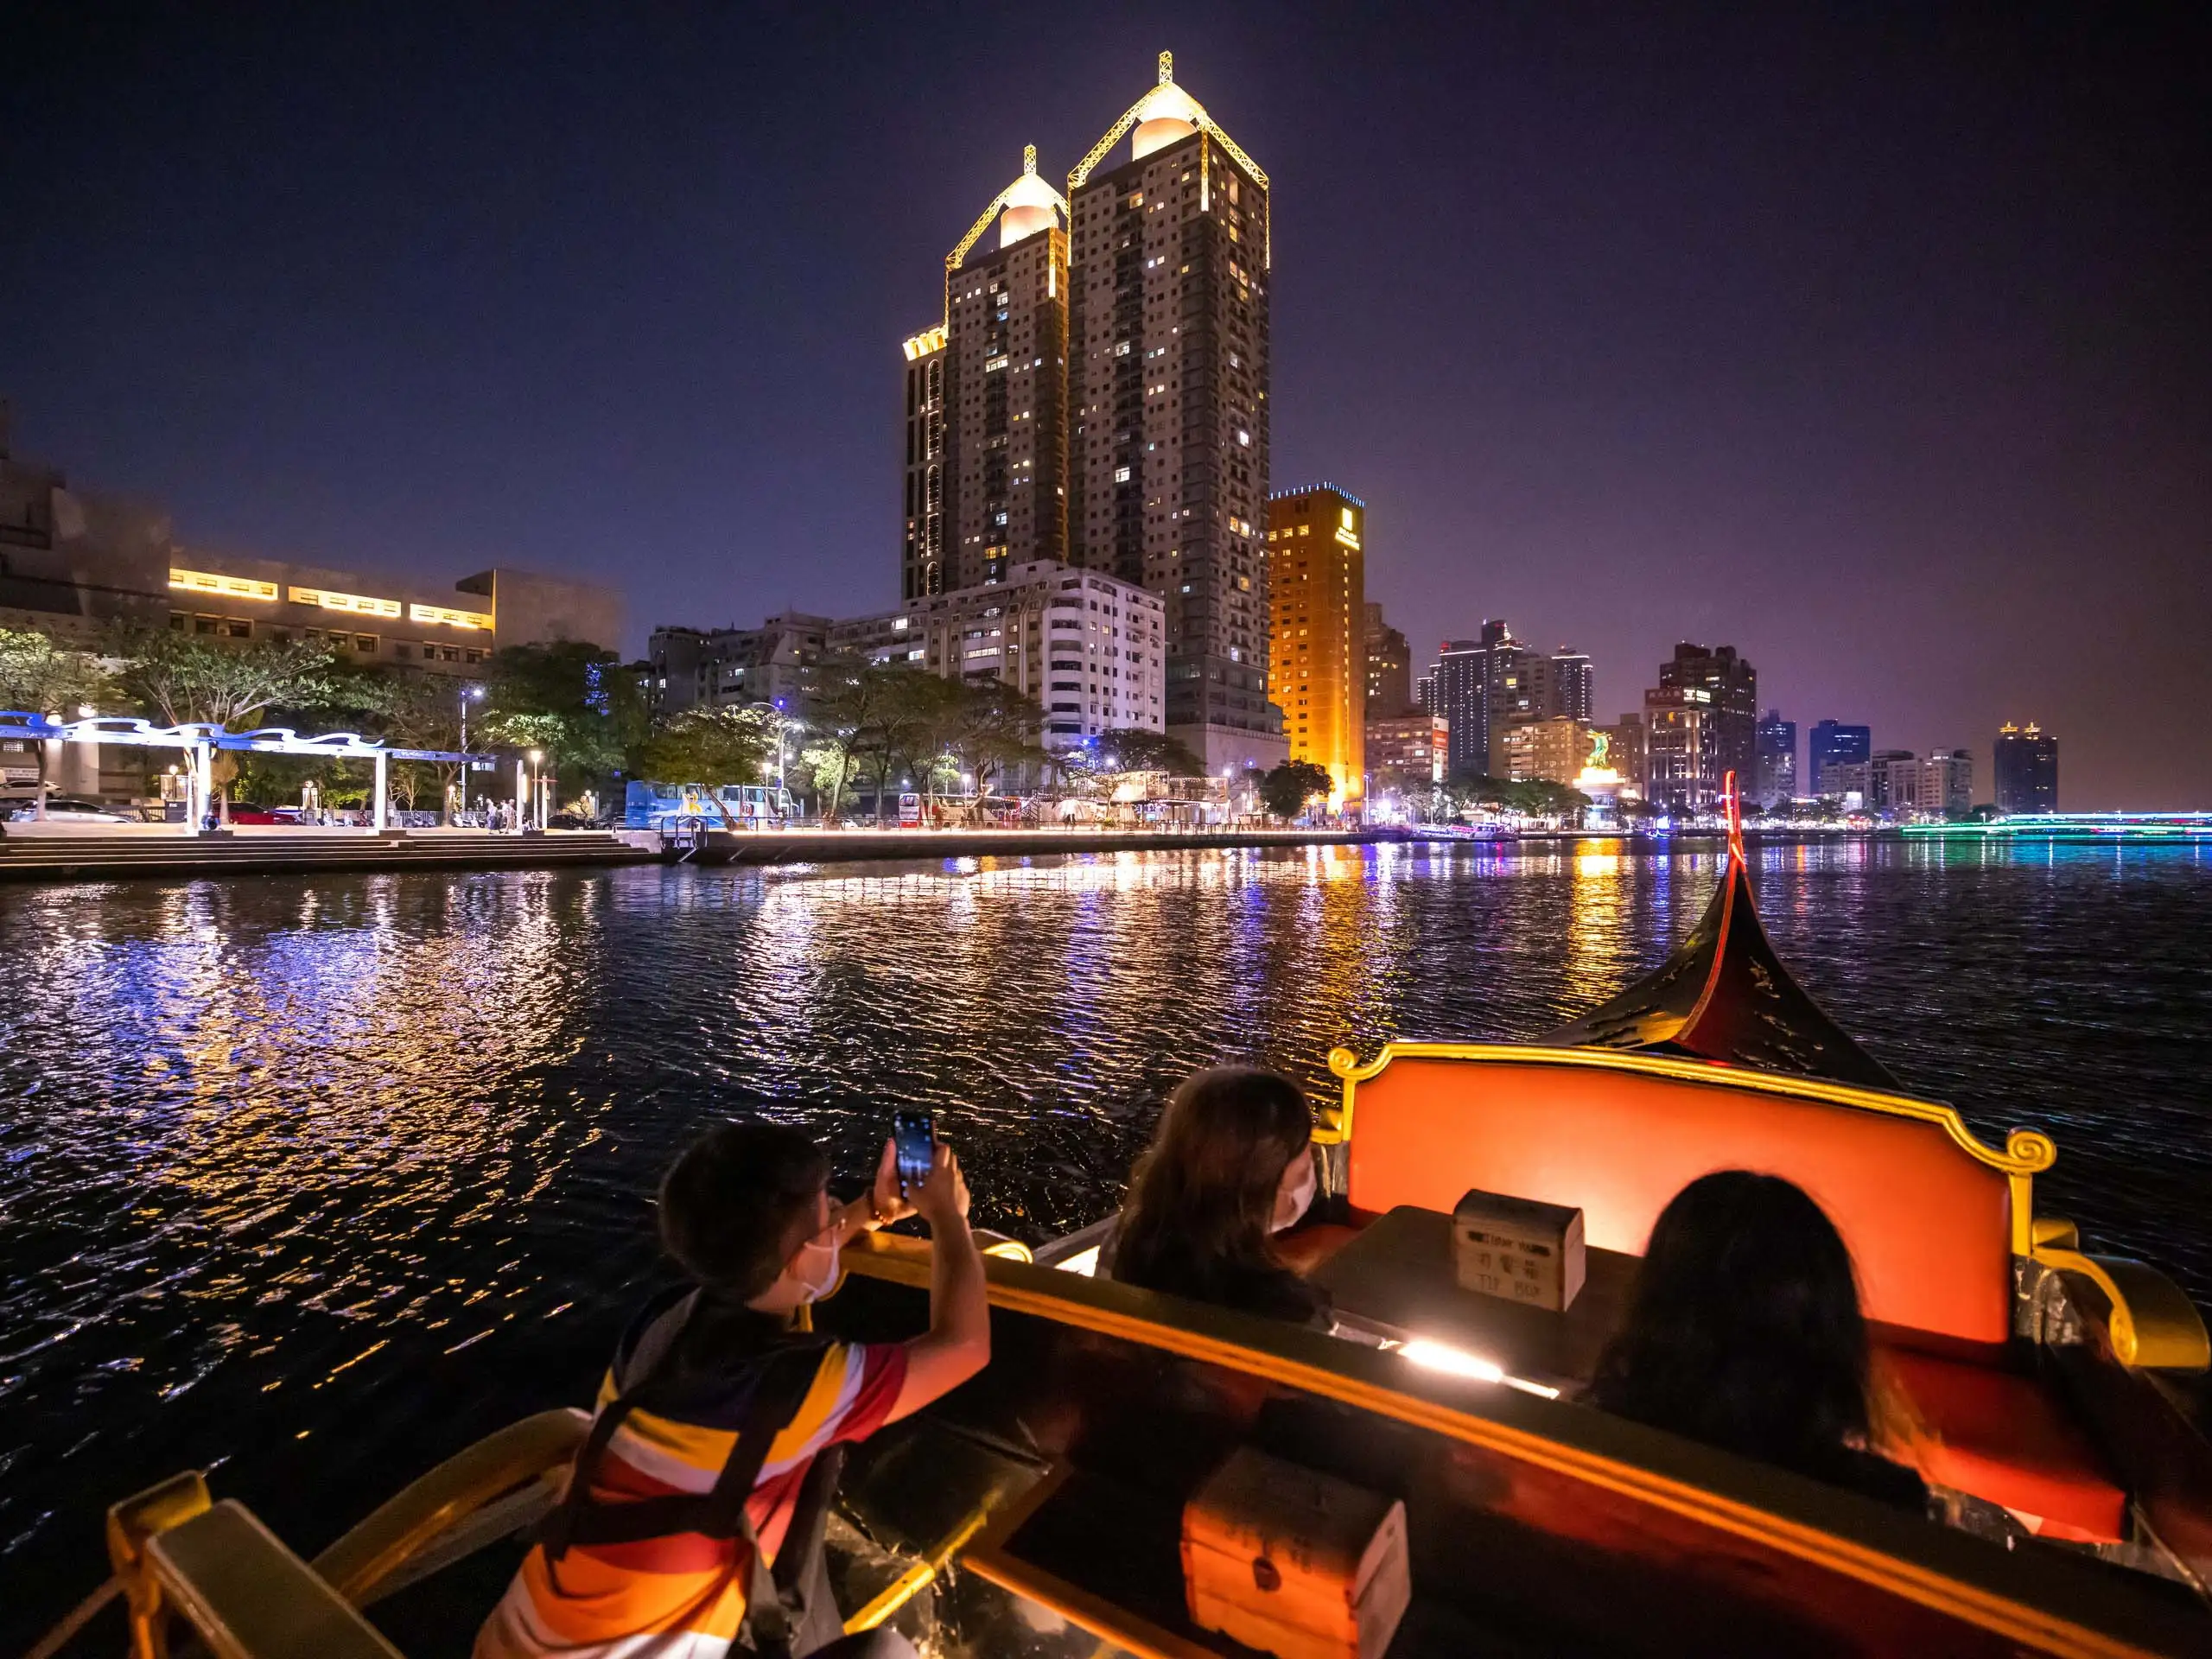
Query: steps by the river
[[73, 857]]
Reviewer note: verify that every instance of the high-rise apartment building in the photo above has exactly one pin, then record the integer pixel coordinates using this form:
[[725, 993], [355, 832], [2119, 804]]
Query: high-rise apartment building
[[1944, 784], [1778, 759], [1169, 380], [1552, 750], [1570, 686], [986, 400], [1731, 703], [1317, 672], [2026, 762], [1831, 744], [1468, 680], [1389, 668]]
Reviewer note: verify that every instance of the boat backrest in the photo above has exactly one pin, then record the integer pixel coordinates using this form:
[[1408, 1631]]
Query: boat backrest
[[1929, 1223]]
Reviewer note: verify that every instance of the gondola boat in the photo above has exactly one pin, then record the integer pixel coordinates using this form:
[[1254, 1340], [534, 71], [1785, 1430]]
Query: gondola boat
[[1039, 1510]]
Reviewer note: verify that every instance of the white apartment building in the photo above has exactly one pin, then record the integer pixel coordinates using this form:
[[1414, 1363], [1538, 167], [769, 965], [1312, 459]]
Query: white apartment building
[[1090, 648]]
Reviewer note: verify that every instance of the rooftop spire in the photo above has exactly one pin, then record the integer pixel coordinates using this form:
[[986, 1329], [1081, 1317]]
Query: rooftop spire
[[1167, 68], [1029, 160]]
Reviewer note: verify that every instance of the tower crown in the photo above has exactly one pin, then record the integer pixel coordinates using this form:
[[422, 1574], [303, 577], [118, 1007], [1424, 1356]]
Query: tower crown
[[1023, 208]]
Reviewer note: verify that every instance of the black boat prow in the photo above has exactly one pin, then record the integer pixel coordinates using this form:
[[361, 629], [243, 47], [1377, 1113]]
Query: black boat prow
[[1725, 996]]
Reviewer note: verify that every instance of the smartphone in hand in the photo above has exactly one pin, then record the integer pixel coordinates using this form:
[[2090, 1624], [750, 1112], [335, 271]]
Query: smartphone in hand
[[913, 1134]]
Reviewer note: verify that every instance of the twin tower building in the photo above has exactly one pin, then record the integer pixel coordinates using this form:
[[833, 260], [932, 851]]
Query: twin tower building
[[1096, 394]]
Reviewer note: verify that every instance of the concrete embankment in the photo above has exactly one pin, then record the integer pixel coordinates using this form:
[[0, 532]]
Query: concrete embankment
[[872, 846], [105, 852]]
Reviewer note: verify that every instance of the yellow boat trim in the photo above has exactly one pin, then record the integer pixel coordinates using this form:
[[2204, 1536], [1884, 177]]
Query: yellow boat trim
[[2026, 1151], [1020, 1288]]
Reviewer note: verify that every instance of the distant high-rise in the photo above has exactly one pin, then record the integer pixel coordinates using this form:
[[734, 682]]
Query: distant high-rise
[[1700, 724], [1571, 685], [1471, 678], [986, 398], [1168, 360], [2026, 764], [1893, 781], [1777, 762], [1389, 668], [1831, 744], [1317, 657]]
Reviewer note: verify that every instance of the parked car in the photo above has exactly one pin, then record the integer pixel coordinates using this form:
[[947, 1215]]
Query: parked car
[[246, 812], [74, 809]]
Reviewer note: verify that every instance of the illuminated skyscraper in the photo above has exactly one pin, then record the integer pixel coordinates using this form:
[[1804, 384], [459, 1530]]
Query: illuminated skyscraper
[[1831, 743], [1168, 362], [1318, 658], [1777, 767], [987, 431], [2027, 769]]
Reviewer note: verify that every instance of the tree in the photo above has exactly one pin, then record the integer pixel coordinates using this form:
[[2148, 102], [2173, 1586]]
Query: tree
[[844, 699], [1286, 790], [39, 677], [1133, 748], [570, 700], [992, 727], [187, 680], [710, 747]]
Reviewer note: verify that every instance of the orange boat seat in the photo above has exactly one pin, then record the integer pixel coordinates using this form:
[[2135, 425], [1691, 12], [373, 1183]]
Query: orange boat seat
[[2003, 1438], [1929, 1224]]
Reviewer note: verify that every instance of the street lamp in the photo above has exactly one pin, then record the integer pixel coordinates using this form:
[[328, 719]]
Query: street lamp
[[468, 695], [536, 787]]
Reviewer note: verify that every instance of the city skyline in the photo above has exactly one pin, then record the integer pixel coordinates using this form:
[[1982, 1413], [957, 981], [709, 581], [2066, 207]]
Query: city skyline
[[1691, 370]]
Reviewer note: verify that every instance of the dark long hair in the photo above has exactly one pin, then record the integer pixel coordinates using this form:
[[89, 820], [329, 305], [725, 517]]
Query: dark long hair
[[1202, 1200], [1745, 1331]]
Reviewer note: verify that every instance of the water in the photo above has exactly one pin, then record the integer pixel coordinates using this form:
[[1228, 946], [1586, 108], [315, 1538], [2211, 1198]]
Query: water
[[313, 1180]]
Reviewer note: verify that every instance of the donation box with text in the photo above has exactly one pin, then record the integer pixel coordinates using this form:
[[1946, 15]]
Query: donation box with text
[[1518, 1249]]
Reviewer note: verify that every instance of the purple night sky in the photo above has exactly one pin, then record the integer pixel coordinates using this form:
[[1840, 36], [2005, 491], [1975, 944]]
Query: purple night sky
[[1875, 341]]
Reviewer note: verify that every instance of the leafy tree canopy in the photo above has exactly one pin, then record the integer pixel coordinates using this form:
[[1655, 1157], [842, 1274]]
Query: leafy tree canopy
[[1286, 790], [1133, 748], [37, 677], [184, 678], [712, 747], [570, 700]]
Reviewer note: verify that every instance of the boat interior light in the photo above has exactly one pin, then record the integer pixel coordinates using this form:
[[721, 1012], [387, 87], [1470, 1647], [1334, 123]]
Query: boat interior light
[[1441, 1357], [1082, 1262]]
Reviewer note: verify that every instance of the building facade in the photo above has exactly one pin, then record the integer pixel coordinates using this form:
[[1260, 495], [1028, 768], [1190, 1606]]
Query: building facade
[[986, 398], [1317, 654], [1091, 650], [1168, 362], [1680, 770], [1892, 781], [1833, 744], [1570, 690], [724, 667], [1553, 750], [1944, 784], [1478, 685], [1624, 752], [1726, 703], [1408, 751], [1778, 759], [2026, 765], [1389, 667]]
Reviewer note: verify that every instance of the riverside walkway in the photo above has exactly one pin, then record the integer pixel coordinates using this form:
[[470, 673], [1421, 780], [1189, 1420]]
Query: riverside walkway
[[82, 852]]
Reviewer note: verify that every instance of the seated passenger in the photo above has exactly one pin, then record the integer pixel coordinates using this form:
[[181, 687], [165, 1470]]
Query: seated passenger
[[1744, 1332], [1229, 1166], [715, 1408]]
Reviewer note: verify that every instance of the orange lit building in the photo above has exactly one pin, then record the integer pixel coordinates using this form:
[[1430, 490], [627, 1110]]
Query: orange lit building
[[1316, 659]]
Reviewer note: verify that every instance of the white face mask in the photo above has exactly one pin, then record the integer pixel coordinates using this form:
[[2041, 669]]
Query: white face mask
[[813, 1290], [1290, 1206]]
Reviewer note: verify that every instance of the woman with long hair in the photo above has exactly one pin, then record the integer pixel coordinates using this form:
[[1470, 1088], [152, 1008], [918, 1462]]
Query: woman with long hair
[[1744, 1331], [1229, 1168]]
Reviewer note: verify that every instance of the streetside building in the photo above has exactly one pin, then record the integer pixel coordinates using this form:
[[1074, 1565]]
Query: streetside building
[[75, 563], [1833, 744], [985, 480], [1168, 361], [1681, 773], [728, 668], [1317, 655], [1728, 715], [1943, 785], [2026, 764], [1408, 751], [1089, 649], [1778, 759], [1553, 750], [1389, 667]]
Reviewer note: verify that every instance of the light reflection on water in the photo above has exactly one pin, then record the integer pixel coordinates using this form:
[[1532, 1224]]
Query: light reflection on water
[[324, 1176]]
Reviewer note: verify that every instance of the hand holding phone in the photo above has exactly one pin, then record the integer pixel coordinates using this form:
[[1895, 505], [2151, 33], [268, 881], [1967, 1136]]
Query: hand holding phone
[[914, 1136]]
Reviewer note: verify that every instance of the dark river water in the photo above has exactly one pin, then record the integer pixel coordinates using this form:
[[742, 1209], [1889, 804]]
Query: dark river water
[[311, 1180]]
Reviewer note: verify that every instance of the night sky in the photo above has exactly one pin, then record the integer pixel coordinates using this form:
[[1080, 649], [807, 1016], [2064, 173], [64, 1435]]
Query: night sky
[[1876, 341]]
